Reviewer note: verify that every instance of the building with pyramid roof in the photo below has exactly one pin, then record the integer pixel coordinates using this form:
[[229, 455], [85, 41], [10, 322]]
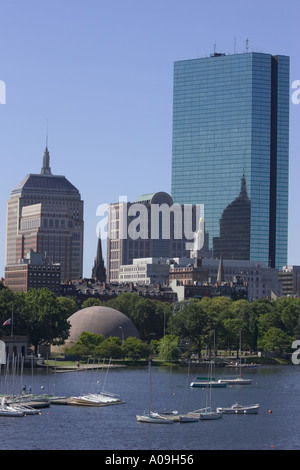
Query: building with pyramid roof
[[45, 214]]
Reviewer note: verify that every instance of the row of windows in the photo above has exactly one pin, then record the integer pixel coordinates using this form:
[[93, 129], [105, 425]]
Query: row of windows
[[44, 274]]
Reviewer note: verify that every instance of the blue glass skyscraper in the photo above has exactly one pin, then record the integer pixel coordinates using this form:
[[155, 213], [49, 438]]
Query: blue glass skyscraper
[[231, 151]]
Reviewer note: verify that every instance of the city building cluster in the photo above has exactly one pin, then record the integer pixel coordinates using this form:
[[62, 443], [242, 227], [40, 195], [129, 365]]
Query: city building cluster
[[223, 230]]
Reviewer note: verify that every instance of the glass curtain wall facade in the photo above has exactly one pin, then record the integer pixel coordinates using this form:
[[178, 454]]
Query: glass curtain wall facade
[[231, 138]]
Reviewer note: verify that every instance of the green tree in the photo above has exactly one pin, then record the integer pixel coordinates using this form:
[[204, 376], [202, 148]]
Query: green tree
[[149, 316], [243, 310], [276, 340], [91, 340], [125, 303], [68, 305], [134, 348], [8, 308], [263, 306], [43, 319], [289, 310], [86, 345], [268, 320], [147, 319], [78, 350], [111, 347], [233, 327], [168, 348], [91, 302], [191, 321]]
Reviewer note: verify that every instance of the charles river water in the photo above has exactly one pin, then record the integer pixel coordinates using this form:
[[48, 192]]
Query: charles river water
[[115, 428]]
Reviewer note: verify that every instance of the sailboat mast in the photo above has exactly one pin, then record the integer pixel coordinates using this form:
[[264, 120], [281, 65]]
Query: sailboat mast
[[150, 386]]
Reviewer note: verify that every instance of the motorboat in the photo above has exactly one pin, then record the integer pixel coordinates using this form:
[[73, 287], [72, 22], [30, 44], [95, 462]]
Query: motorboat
[[239, 409]]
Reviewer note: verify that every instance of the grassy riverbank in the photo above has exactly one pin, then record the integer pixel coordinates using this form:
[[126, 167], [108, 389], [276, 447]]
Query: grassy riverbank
[[81, 365]]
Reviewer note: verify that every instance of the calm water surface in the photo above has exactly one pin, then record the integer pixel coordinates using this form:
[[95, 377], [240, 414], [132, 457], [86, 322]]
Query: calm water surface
[[276, 389]]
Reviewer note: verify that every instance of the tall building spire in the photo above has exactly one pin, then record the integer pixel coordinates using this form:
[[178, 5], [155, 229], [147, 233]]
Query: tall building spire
[[220, 276], [46, 170], [243, 191], [99, 272]]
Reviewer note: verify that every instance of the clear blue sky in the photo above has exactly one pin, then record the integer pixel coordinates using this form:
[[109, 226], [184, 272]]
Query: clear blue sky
[[101, 73]]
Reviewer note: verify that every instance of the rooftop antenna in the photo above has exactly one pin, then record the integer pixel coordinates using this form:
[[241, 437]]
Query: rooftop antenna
[[247, 44], [47, 134]]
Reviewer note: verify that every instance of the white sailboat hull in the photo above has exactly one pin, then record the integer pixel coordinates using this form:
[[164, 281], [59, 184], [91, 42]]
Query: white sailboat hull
[[206, 413], [236, 381], [210, 415], [10, 412], [188, 418], [208, 383], [153, 418]]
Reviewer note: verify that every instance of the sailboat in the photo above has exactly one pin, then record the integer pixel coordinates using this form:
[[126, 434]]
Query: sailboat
[[151, 416], [96, 398], [171, 413], [203, 382], [207, 412], [7, 410], [210, 381], [182, 417], [187, 417], [237, 380]]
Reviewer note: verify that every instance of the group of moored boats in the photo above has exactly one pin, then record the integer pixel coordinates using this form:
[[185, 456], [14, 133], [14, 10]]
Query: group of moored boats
[[203, 382], [30, 404], [175, 417], [95, 399], [197, 415], [16, 409], [206, 413]]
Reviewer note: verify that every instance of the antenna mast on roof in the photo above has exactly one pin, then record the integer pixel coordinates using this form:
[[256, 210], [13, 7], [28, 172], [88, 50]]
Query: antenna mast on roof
[[247, 44], [47, 134]]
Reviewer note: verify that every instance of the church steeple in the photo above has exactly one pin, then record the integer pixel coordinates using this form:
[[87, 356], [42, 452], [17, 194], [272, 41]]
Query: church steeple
[[99, 272], [220, 276], [46, 170]]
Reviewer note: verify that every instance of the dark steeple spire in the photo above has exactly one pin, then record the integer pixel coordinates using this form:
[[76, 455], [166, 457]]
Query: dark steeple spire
[[46, 170], [243, 192], [99, 272], [220, 277]]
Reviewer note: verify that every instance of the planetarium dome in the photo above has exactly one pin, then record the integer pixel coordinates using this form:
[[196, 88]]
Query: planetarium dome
[[100, 320]]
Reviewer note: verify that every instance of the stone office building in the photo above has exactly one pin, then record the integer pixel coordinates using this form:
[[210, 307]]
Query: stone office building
[[45, 214], [36, 272]]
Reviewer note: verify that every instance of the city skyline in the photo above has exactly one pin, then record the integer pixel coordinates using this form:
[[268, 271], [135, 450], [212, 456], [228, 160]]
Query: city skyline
[[102, 76]]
